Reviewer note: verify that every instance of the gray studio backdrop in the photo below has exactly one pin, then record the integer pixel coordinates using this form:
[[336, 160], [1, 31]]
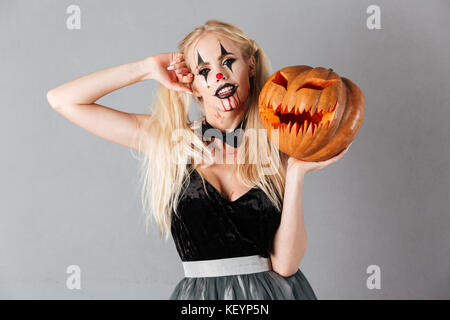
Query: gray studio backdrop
[[70, 198]]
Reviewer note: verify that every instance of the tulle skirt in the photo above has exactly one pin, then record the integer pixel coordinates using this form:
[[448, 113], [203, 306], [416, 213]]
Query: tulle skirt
[[265, 285]]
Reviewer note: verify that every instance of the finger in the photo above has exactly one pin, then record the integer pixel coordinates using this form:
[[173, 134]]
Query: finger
[[332, 160], [183, 75], [326, 163], [174, 62], [177, 56], [340, 154], [187, 78], [348, 147], [181, 70], [177, 65]]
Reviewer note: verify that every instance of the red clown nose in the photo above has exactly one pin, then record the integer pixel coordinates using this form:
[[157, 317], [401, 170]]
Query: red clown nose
[[219, 75]]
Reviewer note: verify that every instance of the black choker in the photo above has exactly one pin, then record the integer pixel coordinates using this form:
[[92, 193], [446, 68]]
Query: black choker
[[233, 138]]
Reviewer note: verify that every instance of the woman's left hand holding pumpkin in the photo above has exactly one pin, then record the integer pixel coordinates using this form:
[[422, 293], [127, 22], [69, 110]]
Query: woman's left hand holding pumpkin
[[303, 167]]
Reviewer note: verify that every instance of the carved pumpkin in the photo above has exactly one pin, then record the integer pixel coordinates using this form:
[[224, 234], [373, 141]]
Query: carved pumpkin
[[315, 112]]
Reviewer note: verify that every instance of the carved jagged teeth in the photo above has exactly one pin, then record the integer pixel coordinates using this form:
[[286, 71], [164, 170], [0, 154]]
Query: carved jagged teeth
[[289, 126], [331, 107], [316, 129], [309, 129], [295, 128], [291, 108], [319, 126], [305, 128]]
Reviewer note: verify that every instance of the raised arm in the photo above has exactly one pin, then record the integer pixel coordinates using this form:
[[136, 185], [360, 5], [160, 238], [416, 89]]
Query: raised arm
[[75, 100]]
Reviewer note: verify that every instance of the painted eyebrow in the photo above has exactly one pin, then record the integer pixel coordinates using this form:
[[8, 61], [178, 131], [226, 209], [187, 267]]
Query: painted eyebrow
[[218, 59]]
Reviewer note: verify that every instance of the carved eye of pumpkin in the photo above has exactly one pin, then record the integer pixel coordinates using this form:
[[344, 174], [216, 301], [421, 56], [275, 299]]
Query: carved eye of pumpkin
[[315, 112], [280, 80], [317, 84]]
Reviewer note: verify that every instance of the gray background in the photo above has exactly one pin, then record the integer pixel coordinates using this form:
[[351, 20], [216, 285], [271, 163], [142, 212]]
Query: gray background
[[69, 197]]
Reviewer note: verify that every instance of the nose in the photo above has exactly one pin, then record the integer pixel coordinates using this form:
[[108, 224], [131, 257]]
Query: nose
[[219, 76]]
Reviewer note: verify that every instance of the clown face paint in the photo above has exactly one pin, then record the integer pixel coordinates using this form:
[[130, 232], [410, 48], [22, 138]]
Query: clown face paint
[[221, 76]]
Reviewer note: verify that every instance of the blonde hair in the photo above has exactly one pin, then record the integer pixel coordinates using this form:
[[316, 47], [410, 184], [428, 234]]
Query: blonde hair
[[163, 180]]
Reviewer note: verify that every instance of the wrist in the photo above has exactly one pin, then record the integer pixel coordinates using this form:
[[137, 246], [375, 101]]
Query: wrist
[[295, 172], [146, 68], [294, 182]]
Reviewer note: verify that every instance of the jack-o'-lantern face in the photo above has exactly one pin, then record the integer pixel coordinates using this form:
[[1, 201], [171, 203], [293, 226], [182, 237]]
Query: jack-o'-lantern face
[[315, 112]]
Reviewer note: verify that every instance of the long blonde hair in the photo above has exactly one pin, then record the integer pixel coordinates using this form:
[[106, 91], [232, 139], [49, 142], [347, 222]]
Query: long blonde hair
[[163, 178]]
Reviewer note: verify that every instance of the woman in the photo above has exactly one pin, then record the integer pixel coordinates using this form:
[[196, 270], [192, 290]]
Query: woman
[[237, 225]]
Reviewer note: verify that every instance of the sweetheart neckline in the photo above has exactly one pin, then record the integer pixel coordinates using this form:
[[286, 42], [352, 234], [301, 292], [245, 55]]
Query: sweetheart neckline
[[220, 194]]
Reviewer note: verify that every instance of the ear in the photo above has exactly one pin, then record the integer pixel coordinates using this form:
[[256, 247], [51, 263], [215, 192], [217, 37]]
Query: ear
[[251, 66]]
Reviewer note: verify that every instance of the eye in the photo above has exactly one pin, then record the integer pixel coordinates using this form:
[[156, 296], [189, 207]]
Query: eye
[[229, 62], [204, 72], [280, 80]]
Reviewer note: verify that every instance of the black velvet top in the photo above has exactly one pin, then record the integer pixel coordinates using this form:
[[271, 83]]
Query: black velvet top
[[215, 228]]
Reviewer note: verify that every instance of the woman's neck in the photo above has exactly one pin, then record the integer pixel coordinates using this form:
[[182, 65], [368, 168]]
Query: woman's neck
[[226, 121]]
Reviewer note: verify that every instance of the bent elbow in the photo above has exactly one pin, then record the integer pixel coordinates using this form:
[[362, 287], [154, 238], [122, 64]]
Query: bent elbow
[[285, 273], [286, 268], [52, 100]]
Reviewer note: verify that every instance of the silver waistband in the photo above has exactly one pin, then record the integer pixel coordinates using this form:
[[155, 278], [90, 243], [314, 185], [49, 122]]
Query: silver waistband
[[226, 267]]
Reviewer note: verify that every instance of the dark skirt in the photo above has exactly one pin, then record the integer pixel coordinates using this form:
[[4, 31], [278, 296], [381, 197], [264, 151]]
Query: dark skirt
[[266, 285]]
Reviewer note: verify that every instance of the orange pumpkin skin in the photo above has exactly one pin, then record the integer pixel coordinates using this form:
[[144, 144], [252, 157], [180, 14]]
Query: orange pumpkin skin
[[315, 113]]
